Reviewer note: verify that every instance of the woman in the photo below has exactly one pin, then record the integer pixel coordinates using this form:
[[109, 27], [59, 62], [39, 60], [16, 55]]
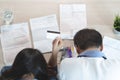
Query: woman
[[29, 63]]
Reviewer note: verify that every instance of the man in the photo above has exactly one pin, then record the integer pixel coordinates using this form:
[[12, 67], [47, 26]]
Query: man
[[91, 63]]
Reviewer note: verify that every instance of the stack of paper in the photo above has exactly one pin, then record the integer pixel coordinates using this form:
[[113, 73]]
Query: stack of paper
[[39, 28], [14, 38], [111, 48], [72, 18]]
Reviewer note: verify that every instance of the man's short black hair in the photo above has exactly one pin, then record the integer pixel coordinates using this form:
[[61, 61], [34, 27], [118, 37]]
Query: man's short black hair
[[87, 38]]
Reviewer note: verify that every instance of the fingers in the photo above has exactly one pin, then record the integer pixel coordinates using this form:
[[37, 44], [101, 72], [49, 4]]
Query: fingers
[[57, 44], [60, 43], [57, 41]]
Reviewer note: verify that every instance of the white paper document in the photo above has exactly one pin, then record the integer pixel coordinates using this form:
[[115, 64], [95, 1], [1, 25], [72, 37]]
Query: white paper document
[[72, 18], [39, 28], [111, 48], [55, 35], [14, 38], [52, 34]]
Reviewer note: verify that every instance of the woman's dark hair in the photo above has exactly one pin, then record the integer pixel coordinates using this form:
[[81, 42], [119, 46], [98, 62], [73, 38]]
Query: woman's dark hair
[[86, 38], [28, 60]]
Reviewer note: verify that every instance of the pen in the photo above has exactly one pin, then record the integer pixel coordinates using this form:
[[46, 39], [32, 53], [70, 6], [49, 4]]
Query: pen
[[69, 52], [53, 32]]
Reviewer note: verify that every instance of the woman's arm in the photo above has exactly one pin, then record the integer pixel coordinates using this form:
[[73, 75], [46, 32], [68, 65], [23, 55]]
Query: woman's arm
[[57, 45]]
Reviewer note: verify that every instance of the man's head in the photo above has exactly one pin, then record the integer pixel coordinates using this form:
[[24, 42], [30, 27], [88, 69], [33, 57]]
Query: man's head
[[87, 38]]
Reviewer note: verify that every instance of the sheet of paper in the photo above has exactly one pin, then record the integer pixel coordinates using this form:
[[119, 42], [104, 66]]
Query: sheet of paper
[[111, 48], [72, 18], [14, 38], [39, 27], [54, 35]]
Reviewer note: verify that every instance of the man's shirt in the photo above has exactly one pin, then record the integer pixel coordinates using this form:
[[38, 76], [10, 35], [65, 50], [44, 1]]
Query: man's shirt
[[87, 67]]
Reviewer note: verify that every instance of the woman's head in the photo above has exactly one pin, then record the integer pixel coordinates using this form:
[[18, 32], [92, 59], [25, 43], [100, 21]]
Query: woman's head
[[29, 60]]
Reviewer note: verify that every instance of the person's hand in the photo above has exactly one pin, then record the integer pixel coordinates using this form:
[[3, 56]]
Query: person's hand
[[57, 44]]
